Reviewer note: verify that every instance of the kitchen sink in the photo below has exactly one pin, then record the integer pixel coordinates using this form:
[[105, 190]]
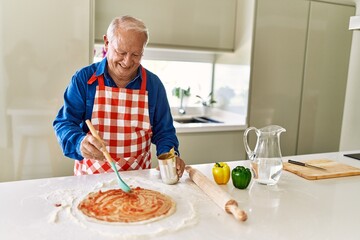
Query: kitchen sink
[[195, 120]]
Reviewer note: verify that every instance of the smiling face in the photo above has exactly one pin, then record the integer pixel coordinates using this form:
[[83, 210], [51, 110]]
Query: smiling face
[[124, 53]]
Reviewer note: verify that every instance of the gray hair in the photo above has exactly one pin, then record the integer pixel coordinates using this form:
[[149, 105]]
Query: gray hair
[[127, 23]]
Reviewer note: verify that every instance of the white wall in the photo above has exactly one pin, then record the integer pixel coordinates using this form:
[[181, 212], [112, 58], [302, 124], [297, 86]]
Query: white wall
[[350, 134], [42, 43]]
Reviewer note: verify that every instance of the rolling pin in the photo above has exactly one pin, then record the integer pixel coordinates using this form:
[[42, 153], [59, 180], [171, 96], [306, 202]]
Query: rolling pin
[[219, 196]]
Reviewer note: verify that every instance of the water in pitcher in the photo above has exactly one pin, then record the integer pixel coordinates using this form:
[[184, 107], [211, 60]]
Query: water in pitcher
[[266, 170], [265, 159]]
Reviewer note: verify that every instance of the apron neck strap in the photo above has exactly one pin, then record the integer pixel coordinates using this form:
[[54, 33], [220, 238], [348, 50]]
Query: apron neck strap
[[93, 78], [100, 78], [143, 77]]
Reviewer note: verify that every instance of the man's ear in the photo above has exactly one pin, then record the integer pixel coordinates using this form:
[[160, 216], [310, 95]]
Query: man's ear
[[106, 42]]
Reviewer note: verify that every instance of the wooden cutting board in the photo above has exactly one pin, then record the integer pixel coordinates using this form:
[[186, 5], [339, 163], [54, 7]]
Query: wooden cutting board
[[333, 169]]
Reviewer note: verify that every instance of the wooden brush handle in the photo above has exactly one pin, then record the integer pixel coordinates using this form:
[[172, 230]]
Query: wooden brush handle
[[220, 197], [96, 135]]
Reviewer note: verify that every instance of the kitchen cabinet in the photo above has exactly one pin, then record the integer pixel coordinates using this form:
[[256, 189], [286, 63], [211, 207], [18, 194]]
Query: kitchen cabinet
[[298, 78], [208, 142], [211, 147], [325, 78], [208, 147], [187, 24]]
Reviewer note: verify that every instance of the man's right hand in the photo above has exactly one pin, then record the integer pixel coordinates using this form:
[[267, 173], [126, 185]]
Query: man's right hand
[[90, 148]]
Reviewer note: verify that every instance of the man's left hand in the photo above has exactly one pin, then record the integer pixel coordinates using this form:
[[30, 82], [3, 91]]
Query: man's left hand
[[180, 166]]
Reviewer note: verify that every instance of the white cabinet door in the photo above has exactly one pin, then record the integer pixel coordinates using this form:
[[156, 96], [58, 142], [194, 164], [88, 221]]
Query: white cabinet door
[[276, 74], [200, 24], [211, 147], [299, 72], [325, 77]]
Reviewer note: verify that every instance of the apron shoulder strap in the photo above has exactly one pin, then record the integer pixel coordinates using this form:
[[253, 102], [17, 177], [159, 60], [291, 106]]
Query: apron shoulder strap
[[143, 82], [93, 78], [100, 78]]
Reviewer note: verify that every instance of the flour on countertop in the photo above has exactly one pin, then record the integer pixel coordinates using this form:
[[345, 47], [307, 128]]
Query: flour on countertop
[[65, 203]]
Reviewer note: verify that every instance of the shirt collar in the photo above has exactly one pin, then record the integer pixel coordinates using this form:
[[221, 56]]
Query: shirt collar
[[101, 69]]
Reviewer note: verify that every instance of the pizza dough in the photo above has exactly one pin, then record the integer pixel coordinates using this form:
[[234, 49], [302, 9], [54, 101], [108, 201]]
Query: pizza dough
[[139, 206]]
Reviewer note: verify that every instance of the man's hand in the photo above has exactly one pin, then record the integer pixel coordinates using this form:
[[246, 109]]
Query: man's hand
[[180, 166], [90, 148]]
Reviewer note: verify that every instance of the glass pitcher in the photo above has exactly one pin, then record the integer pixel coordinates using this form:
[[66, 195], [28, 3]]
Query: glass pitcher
[[266, 159]]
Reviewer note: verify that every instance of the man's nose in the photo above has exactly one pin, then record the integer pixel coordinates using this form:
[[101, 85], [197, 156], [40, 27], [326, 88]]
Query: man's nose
[[127, 59]]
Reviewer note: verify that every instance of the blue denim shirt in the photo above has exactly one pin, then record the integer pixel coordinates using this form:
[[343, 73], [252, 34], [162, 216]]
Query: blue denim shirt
[[69, 124]]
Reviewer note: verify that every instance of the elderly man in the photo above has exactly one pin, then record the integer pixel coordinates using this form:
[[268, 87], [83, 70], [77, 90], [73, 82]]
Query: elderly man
[[126, 103]]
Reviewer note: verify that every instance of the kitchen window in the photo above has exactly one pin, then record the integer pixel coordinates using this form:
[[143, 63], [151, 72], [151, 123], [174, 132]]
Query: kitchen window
[[193, 76]]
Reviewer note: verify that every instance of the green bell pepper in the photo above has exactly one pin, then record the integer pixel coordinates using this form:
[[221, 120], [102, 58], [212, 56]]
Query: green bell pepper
[[241, 177]]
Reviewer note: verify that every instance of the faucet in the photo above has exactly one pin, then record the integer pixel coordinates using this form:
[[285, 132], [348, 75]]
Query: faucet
[[181, 108]]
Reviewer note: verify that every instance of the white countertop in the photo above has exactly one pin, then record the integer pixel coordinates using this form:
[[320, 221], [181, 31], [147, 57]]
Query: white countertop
[[228, 121], [295, 208]]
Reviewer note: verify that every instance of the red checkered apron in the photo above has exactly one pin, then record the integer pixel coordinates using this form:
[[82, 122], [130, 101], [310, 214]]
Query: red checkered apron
[[121, 117]]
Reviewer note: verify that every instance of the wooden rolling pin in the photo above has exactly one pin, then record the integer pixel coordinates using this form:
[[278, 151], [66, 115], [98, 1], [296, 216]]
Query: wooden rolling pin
[[220, 197]]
